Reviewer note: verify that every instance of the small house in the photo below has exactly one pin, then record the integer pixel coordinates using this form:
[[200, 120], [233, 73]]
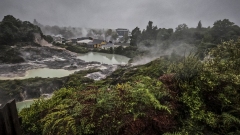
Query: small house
[[107, 46], [96, 43], [84, 40]]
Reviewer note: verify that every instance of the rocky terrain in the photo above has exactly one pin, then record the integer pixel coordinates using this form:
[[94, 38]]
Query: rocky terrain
[[46, 57]]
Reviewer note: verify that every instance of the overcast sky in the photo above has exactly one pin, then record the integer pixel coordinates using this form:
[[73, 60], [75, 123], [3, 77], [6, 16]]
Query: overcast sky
[[122, 13]]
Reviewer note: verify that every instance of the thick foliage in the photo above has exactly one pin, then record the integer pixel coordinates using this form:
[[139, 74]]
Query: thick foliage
[[190, 97], [129, 107], [208, 91], [13, 30], [15, 88]]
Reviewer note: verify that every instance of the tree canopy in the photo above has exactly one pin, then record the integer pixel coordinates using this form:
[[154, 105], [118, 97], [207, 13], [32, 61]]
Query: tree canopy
[[13, 30]]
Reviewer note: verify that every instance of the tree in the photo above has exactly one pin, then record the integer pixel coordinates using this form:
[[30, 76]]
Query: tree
[[13, 30], [108, 32], [114, 35], [151, 31], [8, 33], [118, 50], [163, 34], [48, 38], [199, 25], [136, 34], [111, 50], [149, 26], [181, 27], [181, 32], [125, 38], [35, 22], [224, 30], [13, 20]]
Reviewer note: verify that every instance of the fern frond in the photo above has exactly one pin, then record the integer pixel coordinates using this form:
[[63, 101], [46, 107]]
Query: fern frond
[[156, 103], [230, 119]]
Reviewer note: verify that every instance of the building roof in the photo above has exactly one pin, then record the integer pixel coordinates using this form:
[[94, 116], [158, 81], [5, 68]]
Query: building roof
[[121, 29], [84, 41], [96, 41], [108, 45], [84, 38]]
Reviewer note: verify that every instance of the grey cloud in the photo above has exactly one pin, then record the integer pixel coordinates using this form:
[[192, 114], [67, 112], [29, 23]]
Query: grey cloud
[[124, 13]]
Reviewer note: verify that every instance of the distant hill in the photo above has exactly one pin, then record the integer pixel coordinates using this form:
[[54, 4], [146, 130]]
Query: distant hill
[[15, 33]]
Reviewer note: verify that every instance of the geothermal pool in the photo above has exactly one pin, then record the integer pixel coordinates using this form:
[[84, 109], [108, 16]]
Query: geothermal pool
[[24, 104], [42, 72], [104, 58], [88, 57]]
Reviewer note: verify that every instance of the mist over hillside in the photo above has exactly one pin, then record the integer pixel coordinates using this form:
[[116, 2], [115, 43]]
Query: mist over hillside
[[77, 32], [161, 42]]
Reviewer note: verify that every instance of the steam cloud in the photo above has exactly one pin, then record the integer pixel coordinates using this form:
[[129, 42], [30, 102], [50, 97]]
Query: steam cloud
[[156, 51]]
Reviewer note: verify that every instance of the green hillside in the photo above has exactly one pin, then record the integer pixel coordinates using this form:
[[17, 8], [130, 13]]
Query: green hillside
[[165, 96]]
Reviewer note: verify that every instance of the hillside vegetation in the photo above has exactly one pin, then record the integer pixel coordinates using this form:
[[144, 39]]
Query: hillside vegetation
[[165, 96], [33, 87], [15, 33]]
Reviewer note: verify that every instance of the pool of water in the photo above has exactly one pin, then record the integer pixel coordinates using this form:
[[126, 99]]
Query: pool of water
[[104, 58], [24, 104], [42, 72], [88, 57], [46, 72]]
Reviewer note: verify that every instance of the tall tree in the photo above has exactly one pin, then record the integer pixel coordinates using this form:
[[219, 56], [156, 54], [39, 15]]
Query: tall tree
[[224, 30], [8, 33], [135, 38], [181, 27], [151, 31], [199, 25], [108, 32], [13, 20], [149, 27], [164, 34], [181, 32], [114, 35]]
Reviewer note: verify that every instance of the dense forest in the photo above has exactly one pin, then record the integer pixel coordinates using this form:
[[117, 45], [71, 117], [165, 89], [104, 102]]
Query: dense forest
[[190, 94]]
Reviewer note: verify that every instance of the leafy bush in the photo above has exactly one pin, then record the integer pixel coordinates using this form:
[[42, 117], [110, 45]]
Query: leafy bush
[[77, 49]]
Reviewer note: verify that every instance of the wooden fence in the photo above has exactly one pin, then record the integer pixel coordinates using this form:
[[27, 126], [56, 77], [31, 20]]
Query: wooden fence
[[9, 120]]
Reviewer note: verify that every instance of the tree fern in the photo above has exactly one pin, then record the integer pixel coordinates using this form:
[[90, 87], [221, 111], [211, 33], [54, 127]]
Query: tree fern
[[230, 119], [59, 121], [155, 102]]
